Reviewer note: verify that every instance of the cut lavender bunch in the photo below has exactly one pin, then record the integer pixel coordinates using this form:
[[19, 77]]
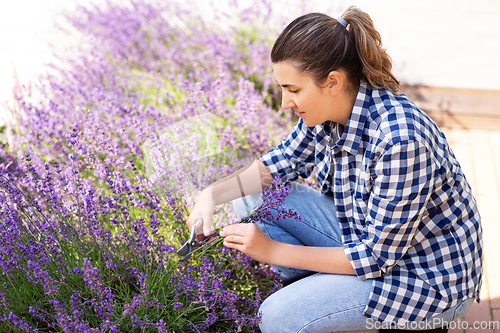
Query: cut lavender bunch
[[267, 209]]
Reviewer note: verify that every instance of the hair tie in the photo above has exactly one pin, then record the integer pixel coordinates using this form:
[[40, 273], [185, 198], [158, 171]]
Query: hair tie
[[342, 21]]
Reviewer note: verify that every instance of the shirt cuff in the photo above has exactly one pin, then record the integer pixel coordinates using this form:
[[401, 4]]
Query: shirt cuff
[[360, 256]]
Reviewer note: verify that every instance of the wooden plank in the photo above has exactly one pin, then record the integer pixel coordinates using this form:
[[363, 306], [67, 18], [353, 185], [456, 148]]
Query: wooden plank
[[456, 107]]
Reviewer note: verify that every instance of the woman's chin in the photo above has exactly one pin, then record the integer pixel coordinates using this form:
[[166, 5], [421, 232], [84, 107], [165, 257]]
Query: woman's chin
[[309, 123]]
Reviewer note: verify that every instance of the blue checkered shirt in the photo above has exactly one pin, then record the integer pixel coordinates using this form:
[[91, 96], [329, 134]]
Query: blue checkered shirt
[[407, 214]]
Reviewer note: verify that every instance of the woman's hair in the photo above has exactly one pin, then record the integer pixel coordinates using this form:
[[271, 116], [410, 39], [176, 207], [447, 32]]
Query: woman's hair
[[318, 44]]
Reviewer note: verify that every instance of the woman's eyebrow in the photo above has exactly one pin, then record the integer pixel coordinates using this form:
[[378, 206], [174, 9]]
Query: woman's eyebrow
[[285, 85]]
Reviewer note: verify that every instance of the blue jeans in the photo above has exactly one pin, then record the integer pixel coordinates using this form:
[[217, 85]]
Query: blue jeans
[[321, 302]]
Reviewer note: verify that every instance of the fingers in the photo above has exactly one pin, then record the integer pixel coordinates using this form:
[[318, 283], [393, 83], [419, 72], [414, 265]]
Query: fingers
[[234, 241], [189, 222], [236, 246], [234, 236], [231, 241], [192, 219], [235, 230], [249, 239], [203, 209], [207, 225]]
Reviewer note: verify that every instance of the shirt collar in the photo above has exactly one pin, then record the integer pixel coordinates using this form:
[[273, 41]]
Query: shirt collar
[[351, 137]]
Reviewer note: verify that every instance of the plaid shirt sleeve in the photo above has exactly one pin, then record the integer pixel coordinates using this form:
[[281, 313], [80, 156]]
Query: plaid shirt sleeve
[[402, 182], [294, 156]]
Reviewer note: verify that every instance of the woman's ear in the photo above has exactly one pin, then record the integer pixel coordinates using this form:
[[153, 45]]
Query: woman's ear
[[335, 81]]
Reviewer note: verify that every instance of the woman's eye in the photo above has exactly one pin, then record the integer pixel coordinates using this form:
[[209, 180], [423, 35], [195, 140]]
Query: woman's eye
[[293, 91]]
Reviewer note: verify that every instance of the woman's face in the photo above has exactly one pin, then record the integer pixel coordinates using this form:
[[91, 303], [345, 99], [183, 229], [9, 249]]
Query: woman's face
[[313, 104]]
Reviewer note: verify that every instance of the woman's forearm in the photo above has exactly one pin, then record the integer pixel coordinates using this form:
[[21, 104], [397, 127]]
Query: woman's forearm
[[319, 259], [243, 182], [249, 239]]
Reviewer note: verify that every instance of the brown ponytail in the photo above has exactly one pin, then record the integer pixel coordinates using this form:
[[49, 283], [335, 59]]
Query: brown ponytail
[[318, 44], [376, 62]]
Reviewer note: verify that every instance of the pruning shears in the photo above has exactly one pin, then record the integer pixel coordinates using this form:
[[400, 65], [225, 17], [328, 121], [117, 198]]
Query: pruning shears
[[192, 243]]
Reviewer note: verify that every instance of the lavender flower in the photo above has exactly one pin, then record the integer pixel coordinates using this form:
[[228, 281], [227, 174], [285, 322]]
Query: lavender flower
[[86, 242]]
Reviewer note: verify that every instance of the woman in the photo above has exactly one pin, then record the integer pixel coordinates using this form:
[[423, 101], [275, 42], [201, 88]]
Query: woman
[[394, 232]]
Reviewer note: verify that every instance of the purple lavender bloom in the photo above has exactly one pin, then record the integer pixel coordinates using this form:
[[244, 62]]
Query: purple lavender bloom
[[84, 234]]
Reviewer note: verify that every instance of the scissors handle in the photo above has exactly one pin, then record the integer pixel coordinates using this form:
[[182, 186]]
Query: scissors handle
[[191, 243]]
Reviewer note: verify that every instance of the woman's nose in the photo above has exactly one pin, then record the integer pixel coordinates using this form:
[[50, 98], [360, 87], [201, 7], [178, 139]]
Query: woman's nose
[[286, 101]]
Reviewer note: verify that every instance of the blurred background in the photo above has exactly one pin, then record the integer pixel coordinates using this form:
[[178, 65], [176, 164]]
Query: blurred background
[[433, 43]]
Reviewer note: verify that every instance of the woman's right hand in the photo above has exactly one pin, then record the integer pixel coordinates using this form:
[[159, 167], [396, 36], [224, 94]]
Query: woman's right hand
[[203, 209]]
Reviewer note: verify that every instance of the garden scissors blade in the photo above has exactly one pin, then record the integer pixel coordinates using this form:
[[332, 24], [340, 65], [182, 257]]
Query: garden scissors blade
[[190, 245]]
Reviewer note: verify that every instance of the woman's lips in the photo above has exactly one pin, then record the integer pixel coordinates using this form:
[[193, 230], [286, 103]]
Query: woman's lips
[[299, 113]]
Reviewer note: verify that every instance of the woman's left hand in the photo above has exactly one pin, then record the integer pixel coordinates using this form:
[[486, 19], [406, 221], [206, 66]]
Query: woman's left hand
[[249, 239]]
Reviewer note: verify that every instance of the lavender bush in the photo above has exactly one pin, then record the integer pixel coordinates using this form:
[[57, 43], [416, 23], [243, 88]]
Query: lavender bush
[[73, 261], [101, 170]]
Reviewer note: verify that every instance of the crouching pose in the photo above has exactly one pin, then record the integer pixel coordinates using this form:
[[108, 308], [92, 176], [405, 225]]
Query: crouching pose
[[394, 233]]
